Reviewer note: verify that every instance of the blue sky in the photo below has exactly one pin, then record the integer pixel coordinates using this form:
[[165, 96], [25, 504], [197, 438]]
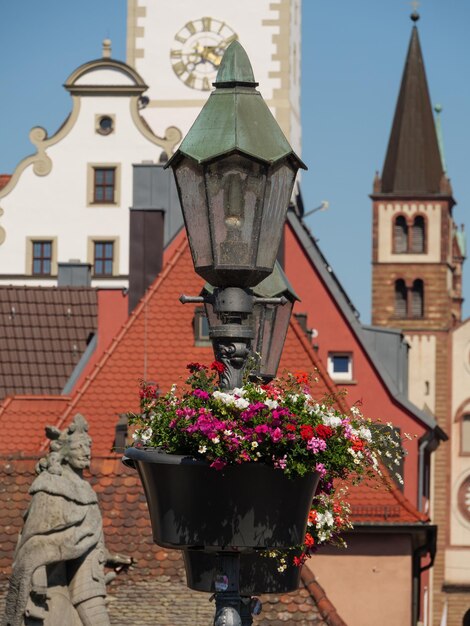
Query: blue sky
[[353, 56]]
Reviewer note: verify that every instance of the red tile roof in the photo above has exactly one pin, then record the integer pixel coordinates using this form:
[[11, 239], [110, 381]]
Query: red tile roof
[[33, 413], [382, 502], [43, 333]]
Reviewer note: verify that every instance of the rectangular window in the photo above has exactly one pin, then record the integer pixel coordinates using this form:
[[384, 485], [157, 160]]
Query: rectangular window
[[103, 258], [42, 258], [104, 185], [340, 366]]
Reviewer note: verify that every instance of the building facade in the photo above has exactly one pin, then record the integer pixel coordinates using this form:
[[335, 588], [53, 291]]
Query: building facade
[[70, 200], [418, 252]]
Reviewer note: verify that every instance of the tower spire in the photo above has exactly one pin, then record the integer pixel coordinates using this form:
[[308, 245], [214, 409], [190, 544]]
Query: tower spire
[[413, 162]]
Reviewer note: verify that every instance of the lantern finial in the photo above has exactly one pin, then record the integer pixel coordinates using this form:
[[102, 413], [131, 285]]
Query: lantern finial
[[235, 68]]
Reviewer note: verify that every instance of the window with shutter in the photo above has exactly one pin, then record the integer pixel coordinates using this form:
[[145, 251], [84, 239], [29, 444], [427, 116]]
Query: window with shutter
[[400, 235], [400, 298], [417, 299], [417, 234]]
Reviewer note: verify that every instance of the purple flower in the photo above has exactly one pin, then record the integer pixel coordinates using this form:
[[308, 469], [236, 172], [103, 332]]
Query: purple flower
[[280, 463]]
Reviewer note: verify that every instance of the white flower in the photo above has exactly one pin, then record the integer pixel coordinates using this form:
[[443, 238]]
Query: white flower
[[145, 435], [239, 391], [254, 444], [331, 420], [215, 439], [202, 449], [365, 433], [271, 404], [224, 397], [227, 433], [241, 403]]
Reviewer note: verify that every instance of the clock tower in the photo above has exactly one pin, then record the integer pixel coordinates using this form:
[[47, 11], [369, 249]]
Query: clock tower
[[177, 48]]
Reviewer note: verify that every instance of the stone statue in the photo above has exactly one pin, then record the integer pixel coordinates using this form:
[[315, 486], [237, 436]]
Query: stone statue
[[58, 570]]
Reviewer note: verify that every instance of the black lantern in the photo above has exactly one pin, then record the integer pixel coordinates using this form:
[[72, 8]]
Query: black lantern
[[235, 172]]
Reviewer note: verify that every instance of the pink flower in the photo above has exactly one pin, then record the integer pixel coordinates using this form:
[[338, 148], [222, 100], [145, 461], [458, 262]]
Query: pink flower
[[199, 393], [218, 464], [276, 434], [320, 468], [316, 445]]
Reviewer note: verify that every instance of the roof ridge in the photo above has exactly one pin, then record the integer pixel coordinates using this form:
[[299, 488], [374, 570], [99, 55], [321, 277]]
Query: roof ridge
[[119, 336]]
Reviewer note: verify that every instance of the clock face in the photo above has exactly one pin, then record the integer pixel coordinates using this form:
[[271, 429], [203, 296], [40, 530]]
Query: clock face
[[198, 49]]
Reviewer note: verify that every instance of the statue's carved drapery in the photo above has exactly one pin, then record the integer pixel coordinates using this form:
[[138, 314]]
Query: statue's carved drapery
[[58, 570]]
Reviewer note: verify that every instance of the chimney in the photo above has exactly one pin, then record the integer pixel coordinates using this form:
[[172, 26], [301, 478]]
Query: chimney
[[74, 274], [155, 218]]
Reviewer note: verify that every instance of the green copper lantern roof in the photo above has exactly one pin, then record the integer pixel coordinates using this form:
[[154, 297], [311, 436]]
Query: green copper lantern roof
[[276, 284], [236, 118]]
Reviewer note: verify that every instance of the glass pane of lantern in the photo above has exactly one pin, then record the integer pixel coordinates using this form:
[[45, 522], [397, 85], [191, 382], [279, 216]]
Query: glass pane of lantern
[[190, 184], [235, 188], [278, 194], [271, 325]]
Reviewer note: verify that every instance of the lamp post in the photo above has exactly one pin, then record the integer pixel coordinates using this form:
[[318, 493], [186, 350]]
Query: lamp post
[[235, 173]]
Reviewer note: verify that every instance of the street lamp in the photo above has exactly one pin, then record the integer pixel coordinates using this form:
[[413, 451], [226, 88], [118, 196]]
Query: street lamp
[[234, 173]]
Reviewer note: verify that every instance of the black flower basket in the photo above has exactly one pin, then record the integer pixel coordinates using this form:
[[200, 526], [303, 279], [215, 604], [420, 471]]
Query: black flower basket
[[245, 506]]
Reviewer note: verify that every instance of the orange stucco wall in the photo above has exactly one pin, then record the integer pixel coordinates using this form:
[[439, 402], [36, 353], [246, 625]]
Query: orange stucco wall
[[369, 583]]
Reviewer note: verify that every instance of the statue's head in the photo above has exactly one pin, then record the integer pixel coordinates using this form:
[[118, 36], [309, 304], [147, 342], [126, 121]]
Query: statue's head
[[71, 446]]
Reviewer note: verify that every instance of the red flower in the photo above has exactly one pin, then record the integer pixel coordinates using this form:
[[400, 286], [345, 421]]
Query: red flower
[[306, 432], [300, 560], [195, 367], [218, 367], [358, 444], [301, 378], [309, 540], [291, 427], [312, 517], [324, 432]]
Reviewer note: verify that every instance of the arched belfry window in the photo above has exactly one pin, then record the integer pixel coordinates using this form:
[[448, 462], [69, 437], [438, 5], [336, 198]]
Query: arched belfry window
[[401, 308], [409, 301], [418, 234], [400, 235], [417, 298]]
